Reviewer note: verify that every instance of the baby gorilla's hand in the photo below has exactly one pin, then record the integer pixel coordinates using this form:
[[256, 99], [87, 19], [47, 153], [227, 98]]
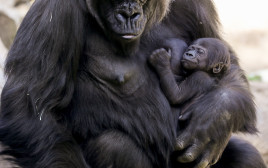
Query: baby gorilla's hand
[[160, 59]]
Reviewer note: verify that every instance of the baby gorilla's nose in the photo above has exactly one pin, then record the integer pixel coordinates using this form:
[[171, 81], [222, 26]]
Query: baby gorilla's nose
[[190, 54]]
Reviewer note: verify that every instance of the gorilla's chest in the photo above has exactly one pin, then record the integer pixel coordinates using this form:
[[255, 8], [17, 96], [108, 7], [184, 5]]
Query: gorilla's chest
[[123, 76]]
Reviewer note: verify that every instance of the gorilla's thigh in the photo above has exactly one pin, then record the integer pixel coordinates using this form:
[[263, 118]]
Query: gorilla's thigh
[[116, 149]]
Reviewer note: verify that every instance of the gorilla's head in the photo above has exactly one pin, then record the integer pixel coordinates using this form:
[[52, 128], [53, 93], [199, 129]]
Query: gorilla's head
[[126, 20]]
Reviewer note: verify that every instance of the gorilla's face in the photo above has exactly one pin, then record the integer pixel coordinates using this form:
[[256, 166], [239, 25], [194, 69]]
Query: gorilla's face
[[126, 20]]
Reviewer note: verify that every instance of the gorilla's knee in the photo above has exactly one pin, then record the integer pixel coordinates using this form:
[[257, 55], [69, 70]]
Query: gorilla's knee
[[240, 154]]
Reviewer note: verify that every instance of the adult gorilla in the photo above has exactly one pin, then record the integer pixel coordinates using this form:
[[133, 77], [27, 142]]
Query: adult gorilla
[[79, 92]]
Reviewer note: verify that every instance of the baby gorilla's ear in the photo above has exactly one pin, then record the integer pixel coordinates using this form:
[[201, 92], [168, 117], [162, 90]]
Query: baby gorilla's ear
[[218, 67]]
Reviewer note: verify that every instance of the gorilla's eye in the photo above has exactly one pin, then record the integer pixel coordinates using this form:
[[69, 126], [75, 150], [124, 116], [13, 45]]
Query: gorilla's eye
[[143, 1]]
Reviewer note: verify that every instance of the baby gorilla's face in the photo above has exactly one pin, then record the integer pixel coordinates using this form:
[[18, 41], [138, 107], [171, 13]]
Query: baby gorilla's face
[[195, 58]]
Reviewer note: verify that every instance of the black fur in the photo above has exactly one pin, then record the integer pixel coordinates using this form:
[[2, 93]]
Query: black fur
[[74, 85], [202, 70], [248, 156]]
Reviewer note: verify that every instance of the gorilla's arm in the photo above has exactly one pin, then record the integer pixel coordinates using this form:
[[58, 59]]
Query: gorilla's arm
[[229, 108], [33, 141], [39, 87], [213, 119]]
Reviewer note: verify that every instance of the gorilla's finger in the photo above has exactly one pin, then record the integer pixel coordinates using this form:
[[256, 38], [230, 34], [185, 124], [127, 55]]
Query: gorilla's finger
[[202, 164], [182, 141], [205, 161], [215, 160], [191, 153]]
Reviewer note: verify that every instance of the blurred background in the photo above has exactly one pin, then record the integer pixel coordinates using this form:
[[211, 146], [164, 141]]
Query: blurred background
[[244, 26]]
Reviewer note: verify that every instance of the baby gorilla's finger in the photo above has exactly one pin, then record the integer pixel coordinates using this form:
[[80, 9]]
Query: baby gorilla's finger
[[159, 51]]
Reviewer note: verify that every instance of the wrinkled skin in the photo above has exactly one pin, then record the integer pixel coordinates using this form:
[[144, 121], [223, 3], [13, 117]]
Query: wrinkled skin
[[79, 92]]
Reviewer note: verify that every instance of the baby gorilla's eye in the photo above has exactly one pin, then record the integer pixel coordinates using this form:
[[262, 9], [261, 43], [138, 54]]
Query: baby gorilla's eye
[[190, 48], [200, 51]]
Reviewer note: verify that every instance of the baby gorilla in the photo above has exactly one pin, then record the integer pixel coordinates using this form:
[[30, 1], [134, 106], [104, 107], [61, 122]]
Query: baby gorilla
[[205, 62]]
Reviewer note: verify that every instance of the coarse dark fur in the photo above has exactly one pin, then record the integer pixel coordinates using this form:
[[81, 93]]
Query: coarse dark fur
[[79, 94], [204, 62]]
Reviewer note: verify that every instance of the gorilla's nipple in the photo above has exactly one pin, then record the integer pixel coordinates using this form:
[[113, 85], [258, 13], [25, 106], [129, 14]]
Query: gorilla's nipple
[[120, 79]]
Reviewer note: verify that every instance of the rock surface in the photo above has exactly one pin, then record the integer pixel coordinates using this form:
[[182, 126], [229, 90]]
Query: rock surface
[[8, 29]]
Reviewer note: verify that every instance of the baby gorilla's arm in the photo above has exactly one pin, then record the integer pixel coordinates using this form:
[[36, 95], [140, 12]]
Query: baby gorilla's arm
[[178, 92]]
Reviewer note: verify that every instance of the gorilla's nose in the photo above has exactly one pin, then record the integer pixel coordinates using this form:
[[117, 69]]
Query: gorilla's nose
[[124, 15], [129, 11]]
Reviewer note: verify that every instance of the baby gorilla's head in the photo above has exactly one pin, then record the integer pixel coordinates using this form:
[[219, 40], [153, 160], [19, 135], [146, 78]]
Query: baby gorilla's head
[[207, 54]]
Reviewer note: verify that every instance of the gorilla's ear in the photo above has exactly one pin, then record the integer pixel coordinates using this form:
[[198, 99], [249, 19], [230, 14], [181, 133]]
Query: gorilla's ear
[[218, 67]]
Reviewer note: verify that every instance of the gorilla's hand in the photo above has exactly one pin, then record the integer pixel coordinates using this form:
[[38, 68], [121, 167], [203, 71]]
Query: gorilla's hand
[[206, 134]]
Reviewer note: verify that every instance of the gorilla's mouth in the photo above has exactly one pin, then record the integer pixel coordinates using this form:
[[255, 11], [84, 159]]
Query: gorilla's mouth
[[129, 36]]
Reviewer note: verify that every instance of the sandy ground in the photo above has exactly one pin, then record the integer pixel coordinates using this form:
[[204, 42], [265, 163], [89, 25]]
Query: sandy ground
[[245, 26]]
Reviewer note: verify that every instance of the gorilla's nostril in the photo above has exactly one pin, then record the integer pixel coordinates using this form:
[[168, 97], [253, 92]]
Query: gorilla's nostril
[[135, 16], [122, 16]]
